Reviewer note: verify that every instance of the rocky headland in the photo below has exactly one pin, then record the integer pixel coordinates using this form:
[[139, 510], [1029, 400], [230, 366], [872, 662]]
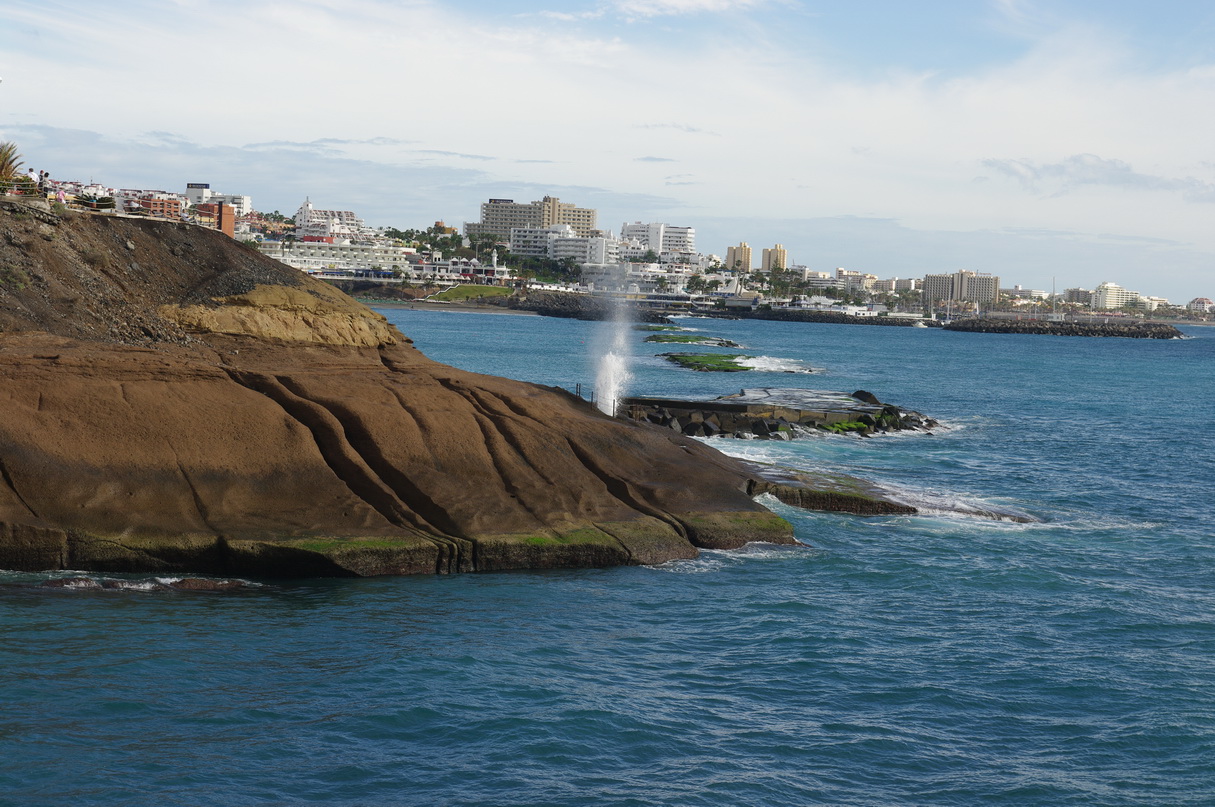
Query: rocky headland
[[175, 402]]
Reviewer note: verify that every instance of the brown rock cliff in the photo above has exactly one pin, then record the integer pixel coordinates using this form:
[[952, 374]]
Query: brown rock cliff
[[176, 402]]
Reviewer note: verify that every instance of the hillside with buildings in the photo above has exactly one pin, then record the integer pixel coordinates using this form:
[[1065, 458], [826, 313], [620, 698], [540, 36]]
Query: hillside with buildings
[[559, 243]]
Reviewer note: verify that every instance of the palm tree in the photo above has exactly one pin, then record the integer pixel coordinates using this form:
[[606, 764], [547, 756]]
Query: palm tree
[[10, 160]]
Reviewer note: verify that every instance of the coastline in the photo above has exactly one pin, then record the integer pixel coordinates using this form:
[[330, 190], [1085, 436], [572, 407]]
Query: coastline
[[464, 308]]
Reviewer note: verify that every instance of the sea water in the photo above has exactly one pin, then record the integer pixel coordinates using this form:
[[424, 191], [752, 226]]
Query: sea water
[[934, 659]]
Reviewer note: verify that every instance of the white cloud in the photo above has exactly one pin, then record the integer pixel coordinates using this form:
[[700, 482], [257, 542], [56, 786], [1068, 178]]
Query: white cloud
[[334, 89], [1088, 169], [660, 8]]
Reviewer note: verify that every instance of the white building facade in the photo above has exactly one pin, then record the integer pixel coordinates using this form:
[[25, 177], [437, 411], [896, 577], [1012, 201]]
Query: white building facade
[[1109, 296], [200, 193], [332, 226]]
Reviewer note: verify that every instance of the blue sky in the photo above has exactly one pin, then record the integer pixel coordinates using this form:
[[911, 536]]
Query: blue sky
[[1063, 141]]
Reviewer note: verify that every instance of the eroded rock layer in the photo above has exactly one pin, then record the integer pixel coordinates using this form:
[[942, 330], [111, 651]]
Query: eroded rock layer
[[176, 402]]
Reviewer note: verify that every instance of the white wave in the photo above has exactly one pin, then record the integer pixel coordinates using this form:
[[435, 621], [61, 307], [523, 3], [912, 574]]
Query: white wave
[[773, 364], [952, 505], [136, 585], [712, 560], [82, 582]]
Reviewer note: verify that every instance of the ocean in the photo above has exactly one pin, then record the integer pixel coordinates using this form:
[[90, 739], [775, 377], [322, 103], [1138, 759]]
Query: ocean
[[935, 659]]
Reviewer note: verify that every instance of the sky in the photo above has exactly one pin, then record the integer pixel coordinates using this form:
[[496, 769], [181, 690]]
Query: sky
[[1059, 143]]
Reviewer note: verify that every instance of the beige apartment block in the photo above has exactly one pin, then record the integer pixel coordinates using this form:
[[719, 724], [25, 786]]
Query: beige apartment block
[[775, 258], [739, 257], [500, 216]]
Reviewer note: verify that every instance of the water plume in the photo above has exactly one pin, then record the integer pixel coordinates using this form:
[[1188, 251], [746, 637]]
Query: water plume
[[612, 363]]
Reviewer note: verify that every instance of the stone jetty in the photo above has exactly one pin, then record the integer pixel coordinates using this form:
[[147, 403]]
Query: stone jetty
[[775, 414], [1131, 330]]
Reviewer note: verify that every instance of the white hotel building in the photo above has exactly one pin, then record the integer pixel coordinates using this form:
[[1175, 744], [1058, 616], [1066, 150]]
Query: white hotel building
[[1109, 296], [319, 256], [560, 241]]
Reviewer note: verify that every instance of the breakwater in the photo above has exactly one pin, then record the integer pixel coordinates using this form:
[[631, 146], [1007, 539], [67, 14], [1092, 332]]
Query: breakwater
[[1131, 330], [830, 317]]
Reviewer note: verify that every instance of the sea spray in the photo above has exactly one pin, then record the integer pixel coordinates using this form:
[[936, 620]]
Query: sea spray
[[612, 363]]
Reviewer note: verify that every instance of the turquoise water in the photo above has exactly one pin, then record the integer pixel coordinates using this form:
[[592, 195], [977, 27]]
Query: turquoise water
[[927, 660]]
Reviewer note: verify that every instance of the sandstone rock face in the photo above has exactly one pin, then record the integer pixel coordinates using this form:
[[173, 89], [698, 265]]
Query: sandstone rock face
[[175, 402]]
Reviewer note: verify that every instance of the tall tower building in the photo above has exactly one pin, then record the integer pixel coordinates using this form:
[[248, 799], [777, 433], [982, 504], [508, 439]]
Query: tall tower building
[[739, 257], [963, 285], [775, 258]]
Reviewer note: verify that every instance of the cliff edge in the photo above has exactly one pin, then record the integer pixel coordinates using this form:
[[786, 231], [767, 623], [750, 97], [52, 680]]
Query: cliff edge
[[177, 402]]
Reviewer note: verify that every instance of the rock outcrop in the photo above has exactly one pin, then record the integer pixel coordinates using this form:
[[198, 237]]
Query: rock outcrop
[[174, 402], [569, 305], [776, 414]]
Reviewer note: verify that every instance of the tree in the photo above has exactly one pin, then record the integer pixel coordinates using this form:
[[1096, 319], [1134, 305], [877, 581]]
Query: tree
[[10, 163], [569, 267], [650, 256], [10, 160]]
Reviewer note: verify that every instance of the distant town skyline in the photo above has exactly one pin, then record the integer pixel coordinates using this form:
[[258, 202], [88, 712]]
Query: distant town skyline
[[1030, 140]]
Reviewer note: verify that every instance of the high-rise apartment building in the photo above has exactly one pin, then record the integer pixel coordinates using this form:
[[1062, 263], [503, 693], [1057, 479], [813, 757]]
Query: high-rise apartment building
[[775, 258], [1109, 296], [739, 257], [976, 287], [500, 216], [660, 237]]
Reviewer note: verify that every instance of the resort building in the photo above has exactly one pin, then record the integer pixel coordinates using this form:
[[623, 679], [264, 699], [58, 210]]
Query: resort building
[[975, 287], [328, 226], [500, 216], [200, 193], [634, 278], [1200, 304], [1019, 293], [660, 237], [562, 241], [1109, 296], [153, 203], [855, 281], [739, 258], [1081, 296], [321, 255], [775, 258], [1152, 303]]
